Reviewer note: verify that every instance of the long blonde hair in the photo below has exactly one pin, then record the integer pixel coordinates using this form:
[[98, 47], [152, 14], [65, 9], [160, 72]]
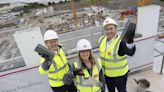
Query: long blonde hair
[[91, 59]]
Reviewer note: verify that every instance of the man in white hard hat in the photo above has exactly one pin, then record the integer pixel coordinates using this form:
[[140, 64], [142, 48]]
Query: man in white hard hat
[[113, 52], [57, 68]]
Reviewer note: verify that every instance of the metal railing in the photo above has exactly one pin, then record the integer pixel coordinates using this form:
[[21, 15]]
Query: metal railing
[[161, 53]]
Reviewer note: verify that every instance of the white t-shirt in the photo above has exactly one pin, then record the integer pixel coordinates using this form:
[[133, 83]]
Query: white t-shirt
[[130, 46]]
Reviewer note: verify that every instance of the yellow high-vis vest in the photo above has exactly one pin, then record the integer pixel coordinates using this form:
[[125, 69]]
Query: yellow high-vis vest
[[57, 70], [83, 87], [113, 64]]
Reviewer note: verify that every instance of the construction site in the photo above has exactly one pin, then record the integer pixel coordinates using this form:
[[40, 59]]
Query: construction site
[[23, 25]]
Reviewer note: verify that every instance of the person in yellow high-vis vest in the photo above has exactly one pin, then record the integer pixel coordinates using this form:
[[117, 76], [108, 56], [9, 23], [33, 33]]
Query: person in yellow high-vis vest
[[113, 53], [87, 71], [57, 68]]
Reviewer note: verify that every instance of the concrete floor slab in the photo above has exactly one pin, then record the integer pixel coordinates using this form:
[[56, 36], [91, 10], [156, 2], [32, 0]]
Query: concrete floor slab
[[156, 80]]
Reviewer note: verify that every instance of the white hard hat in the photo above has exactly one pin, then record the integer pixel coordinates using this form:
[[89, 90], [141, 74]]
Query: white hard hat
[[83, 44], [109, 20], [50, 34]]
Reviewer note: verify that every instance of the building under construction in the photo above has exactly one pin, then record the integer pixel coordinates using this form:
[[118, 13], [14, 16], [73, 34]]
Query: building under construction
[[21, 32]]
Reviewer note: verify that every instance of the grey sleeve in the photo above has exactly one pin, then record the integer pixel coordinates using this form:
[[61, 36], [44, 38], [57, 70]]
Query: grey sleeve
[[45, 65], [69, 76], [102, 79]]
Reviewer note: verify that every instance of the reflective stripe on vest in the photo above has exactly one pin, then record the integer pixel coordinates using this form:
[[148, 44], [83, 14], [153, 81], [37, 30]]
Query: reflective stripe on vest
[[55, 79], [100, 41], [115, 51], [113, 64], [111, 60], [60, 68], [80, 78], [56, 69], [109, 68]]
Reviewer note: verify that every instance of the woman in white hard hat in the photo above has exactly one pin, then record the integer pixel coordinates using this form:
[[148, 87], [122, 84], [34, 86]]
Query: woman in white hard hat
[[57, 68], [87, 71], [113, 53]]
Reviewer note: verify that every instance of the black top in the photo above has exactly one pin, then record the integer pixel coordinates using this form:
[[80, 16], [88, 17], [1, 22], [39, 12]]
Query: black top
[[123, 49]]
